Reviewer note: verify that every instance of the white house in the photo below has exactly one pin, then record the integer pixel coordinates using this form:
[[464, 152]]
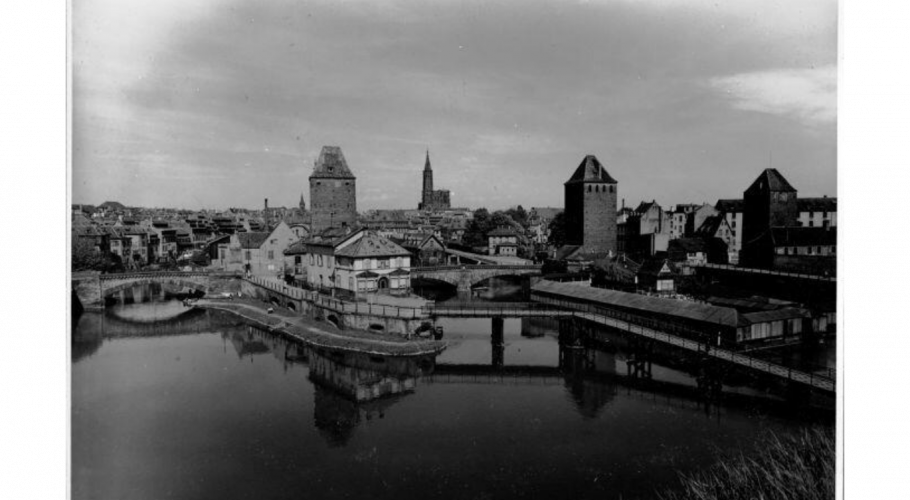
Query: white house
[[359, 263]]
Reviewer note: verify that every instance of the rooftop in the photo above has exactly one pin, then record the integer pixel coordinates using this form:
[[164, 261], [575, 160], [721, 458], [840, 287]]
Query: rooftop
[[250, 240], [650, 305], [771, 180], [372, 245], [331, 164], [591, 170]]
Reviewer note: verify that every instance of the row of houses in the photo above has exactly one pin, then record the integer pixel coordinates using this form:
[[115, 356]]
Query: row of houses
[[649, 229]]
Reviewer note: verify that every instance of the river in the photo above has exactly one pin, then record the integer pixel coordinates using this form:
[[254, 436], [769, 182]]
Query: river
[[169, 402]]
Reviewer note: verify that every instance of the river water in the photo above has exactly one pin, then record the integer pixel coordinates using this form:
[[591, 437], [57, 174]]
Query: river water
[[169, 402]]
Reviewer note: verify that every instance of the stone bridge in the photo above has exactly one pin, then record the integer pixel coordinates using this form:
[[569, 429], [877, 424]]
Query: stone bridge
[[464, 277], [92, 288]]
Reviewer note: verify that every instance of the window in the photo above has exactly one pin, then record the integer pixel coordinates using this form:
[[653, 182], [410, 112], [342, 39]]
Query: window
[[296, 259], [611, 189], [271, 254], [384, 263], [589, 188], [312, 260], [818, 250], [319, 260], [350, 283], [811, 223], [246, 255]]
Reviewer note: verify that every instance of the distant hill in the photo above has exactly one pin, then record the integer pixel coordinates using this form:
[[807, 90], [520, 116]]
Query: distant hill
[[112, 206]]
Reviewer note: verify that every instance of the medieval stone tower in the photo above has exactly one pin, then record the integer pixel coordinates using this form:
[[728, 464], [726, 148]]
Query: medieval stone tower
[[333, 193], [769, 202], [591, 209]]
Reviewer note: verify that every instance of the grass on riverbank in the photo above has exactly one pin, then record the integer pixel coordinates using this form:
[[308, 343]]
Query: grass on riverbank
[[798, 467]]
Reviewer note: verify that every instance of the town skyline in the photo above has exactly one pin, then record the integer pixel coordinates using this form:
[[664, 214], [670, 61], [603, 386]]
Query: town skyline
[[682, 103]]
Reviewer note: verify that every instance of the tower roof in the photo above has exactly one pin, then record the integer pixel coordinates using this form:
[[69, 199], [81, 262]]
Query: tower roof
[[331, 164], [590, 170], [771, 180], [426, 165]]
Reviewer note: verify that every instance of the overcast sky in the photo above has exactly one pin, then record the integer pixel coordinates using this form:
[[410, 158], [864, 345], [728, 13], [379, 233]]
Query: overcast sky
[[219, 103]]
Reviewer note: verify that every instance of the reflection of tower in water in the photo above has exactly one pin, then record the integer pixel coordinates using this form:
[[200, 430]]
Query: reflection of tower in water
[[580, 361]]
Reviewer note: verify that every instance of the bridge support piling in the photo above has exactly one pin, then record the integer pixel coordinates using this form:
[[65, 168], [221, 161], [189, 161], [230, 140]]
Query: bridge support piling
[[497, 340], [639, 363]]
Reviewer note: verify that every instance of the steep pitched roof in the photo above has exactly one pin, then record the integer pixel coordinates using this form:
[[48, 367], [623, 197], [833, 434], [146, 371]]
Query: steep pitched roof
[[372, 245], [771, 180], [590, 170], [296, 248], [645, 206], [710, 225], [654, 267], [689, 245], [251, 240], [730, 206], [331, 164]]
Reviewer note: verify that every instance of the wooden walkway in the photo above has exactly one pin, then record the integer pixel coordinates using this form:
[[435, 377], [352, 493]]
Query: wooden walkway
[[817, 381], [531, 309]]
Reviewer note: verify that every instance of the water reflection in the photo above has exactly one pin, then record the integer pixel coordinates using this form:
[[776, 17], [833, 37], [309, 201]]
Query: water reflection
[[510, 406]]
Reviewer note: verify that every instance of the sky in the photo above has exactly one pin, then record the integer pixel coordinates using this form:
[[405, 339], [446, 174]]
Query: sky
[[222, 103]]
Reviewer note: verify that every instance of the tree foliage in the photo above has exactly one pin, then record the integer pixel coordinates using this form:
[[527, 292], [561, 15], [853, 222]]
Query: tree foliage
[[557, 229], [87, 257], [483, 222]]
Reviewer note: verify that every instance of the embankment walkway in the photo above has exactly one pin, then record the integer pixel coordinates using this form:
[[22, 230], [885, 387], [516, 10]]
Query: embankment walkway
[[316, 335]]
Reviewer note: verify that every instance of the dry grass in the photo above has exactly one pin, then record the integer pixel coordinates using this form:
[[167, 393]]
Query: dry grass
[[798, 467]]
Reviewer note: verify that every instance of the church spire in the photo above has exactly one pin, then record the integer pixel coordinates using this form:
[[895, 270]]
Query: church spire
[[426, 165], [302, 204]]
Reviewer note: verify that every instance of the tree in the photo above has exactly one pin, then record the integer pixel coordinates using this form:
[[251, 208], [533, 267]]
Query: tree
[[519, 215], [475, 234], [557, 229], [87, 257]]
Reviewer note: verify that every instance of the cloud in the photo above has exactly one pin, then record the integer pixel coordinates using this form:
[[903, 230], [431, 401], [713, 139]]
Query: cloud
[[809, 95]]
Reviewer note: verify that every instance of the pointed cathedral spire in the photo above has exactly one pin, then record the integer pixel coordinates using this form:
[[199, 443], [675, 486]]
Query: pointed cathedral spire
[[426, 165], [302, 203]]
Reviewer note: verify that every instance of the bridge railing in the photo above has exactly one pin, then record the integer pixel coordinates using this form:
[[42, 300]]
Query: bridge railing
[[485, 267], [152, 274], [492, 309], [339, 305]]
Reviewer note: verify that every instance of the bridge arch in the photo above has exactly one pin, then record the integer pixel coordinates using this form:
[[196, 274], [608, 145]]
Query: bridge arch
[[110, 287], [504, 274], [465, 277]]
